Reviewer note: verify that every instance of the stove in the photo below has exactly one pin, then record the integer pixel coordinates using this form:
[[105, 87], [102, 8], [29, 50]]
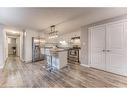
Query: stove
[[73, 56]]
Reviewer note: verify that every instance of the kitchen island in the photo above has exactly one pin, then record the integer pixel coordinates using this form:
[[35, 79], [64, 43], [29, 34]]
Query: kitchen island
[[56, 58]]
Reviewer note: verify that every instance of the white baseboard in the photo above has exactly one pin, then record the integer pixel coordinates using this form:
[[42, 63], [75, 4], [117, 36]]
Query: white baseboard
[[28, 61], [85, 65]]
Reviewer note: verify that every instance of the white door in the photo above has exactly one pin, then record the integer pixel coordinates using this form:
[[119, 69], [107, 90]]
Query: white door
[[116, 47], [97, 40]]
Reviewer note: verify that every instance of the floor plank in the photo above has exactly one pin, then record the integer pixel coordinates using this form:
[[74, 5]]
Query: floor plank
[[33, 75]]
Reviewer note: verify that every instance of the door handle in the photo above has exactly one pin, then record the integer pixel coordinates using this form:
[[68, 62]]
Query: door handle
[[104, 50], [108, 50]]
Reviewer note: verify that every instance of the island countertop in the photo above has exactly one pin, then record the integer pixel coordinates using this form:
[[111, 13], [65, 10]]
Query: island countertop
[[58, 50]]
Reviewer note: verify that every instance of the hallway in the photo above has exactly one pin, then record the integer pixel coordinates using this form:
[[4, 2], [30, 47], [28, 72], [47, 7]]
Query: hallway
[[18, 74]]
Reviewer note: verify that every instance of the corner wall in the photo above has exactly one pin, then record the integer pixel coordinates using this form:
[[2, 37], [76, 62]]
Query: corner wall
[[2, 55], [28, 44], [21, 46]]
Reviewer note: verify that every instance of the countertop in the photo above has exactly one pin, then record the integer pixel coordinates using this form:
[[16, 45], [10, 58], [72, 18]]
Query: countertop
[[55, 51], [58, 50]]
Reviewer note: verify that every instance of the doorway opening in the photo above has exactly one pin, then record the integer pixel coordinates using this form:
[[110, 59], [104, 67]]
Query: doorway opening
[[13, 46]]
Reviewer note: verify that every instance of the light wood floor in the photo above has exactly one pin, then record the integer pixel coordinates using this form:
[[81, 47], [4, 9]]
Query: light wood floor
[[18, 74]]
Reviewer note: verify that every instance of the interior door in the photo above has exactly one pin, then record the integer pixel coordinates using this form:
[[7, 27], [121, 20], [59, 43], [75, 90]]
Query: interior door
[[98, 47], [116, 48]]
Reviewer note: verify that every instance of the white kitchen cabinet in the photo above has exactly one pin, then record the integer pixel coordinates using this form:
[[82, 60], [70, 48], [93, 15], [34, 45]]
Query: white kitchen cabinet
[[59, 59], [56, 59], [108, 47]]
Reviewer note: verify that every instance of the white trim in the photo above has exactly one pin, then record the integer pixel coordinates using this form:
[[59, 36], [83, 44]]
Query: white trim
[[85, 65], [27, 61], [89, 45]]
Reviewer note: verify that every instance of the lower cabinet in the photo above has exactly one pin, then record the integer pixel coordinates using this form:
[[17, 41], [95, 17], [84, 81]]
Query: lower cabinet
[[57, 60]]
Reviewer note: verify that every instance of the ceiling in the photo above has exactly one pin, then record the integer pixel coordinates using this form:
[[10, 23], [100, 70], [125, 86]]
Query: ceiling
[[65, 19]]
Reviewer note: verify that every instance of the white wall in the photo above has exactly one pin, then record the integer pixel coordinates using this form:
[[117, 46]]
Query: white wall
[[21, 46], [28, 44], [18, 46], [84, 45], [2, 55], [43, 35], [5, 46]]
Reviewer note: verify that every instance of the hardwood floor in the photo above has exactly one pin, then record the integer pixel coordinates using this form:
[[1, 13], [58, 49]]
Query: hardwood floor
[[18, 74]]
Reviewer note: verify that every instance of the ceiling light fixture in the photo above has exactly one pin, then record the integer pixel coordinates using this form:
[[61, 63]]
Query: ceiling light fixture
[[53, 33]]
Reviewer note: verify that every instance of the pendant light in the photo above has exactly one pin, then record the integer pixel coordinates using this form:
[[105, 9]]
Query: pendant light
[[53, 33]]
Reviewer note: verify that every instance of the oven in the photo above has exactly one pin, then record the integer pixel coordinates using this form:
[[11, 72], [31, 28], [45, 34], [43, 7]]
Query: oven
[[73, 56]]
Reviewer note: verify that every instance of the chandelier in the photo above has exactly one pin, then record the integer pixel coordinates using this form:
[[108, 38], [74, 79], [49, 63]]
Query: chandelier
[[53, 33]]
